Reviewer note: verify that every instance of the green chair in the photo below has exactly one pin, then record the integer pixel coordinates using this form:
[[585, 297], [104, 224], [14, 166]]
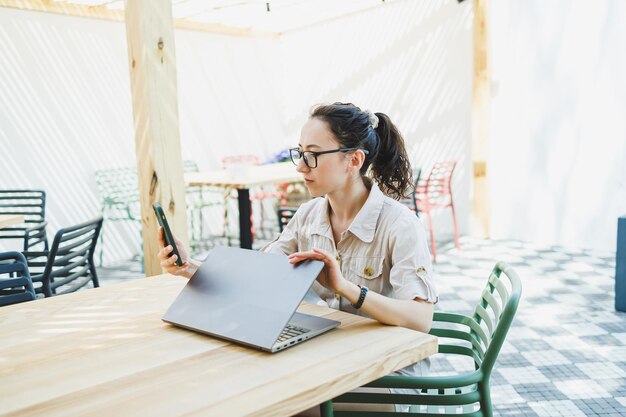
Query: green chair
[[200, 200], [118, 189], [479, 337]]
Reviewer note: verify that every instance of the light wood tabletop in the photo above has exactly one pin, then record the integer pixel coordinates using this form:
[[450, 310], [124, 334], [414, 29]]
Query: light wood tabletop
[[7, 220], [106, 352]]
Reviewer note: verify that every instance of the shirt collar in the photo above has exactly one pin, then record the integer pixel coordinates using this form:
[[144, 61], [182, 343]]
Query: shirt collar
[[364, 224]]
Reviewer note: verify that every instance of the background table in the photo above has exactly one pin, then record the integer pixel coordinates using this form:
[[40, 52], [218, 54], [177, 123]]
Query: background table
[[242, 178], [7, 220], [106, 352]]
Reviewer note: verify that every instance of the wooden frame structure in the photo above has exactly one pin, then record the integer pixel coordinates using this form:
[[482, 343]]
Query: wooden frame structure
[[481, 97], [152, 63]]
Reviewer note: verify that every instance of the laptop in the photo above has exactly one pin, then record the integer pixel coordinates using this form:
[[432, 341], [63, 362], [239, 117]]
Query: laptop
[[249, 297]]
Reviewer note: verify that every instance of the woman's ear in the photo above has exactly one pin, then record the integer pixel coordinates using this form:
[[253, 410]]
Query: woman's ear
[[358, 159]]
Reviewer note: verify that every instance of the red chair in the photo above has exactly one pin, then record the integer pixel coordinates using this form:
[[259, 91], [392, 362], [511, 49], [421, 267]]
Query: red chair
[[435, 192]]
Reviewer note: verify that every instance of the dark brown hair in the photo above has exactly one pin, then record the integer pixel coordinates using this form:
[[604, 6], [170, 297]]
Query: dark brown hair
[[386, 158]]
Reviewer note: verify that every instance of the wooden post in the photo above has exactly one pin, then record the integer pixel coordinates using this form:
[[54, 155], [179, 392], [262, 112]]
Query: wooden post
[[481, 95], [152, 62]]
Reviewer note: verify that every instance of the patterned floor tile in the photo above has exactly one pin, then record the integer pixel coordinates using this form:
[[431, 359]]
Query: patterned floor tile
[[581, 389], [505, 394], [601, 370], [545, 357], [523, 375], [605, 407], [564, 408], [586, 330]]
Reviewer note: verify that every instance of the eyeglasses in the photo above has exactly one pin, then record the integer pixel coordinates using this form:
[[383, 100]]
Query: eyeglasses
[[310, 157]]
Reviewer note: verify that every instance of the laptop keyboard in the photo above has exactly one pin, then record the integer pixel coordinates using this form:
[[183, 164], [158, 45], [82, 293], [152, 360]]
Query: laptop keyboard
[[291, 331]]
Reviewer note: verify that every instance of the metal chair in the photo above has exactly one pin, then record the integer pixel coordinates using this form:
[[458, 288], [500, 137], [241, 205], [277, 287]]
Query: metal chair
[[15, 283], [32, 205], [479, 337], [435, 192], [69, 264], [285, 214]]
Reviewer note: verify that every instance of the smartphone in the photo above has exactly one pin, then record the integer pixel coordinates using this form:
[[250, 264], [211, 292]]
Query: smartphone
[[169, 239]]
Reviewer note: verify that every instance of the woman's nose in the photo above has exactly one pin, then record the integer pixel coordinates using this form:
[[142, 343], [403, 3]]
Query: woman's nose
[[302, 167]]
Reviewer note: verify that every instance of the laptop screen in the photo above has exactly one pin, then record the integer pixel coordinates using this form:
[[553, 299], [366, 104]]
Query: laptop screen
[[243, 295]]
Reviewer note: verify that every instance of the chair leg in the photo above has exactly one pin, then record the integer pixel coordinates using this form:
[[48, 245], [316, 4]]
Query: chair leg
[[193, 238], [94, 275], [141, 250], [485, 400], [326, 409], [456, 228], [101, 246], [226, 198]]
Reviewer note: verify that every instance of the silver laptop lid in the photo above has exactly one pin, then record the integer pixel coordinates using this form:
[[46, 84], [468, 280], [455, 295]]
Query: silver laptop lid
[[243, 295]]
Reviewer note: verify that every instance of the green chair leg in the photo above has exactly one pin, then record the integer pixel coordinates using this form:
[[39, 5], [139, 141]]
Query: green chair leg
[[326, 409], [485, 400]]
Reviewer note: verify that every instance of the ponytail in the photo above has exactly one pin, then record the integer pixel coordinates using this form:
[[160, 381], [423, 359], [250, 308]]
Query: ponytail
[[391, 167]]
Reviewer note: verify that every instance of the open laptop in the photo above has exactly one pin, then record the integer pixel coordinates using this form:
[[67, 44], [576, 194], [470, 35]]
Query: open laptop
[[249, 297]]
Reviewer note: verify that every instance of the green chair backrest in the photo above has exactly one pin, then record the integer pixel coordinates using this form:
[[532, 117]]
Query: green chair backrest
[[479, 336], [117, 185], [119, 188], [489, 323]]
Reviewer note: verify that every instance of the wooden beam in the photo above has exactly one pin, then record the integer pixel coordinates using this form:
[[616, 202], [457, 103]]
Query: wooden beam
[[481, 95], [152, 62], [102, 13], [64, 8], [68, 8]]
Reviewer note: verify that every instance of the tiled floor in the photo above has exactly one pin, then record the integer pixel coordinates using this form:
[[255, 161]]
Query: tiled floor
[[565, 354]]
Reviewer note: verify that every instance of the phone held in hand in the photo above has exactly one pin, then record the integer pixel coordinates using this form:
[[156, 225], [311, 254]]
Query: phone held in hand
[[167, 232]]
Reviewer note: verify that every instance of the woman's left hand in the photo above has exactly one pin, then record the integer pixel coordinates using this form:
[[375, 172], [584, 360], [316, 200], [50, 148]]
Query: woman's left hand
[[330, 277]]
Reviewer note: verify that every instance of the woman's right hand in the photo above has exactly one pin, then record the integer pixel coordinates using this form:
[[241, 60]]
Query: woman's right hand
[[168, 262]]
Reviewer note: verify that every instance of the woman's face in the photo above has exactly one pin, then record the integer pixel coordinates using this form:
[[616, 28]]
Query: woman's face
[[332, 171]]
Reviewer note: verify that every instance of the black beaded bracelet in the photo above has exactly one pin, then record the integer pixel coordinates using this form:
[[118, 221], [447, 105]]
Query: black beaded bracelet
[[359, 303]]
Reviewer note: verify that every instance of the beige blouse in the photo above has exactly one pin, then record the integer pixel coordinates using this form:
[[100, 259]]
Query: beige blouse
[[384, 249]]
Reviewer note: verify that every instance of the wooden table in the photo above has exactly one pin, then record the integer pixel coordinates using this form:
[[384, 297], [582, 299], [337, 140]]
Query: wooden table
[[106, 352], [7, 220], [242, 179]]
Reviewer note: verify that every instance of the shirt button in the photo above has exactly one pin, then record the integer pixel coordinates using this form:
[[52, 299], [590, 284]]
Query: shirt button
[[369, 271]]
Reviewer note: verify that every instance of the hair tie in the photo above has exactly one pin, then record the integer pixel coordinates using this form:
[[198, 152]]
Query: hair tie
[[373, 118]]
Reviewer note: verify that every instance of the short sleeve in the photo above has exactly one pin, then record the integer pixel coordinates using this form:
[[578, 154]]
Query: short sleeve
[[411, 273]]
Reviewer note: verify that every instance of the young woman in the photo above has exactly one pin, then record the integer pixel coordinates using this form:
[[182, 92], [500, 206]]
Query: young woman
[[376, 257]]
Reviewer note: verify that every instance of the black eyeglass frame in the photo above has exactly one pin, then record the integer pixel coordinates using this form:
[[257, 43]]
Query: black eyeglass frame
[[307, 154]]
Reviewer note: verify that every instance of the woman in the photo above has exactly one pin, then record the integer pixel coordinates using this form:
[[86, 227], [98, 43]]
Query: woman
[[376, 257]]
